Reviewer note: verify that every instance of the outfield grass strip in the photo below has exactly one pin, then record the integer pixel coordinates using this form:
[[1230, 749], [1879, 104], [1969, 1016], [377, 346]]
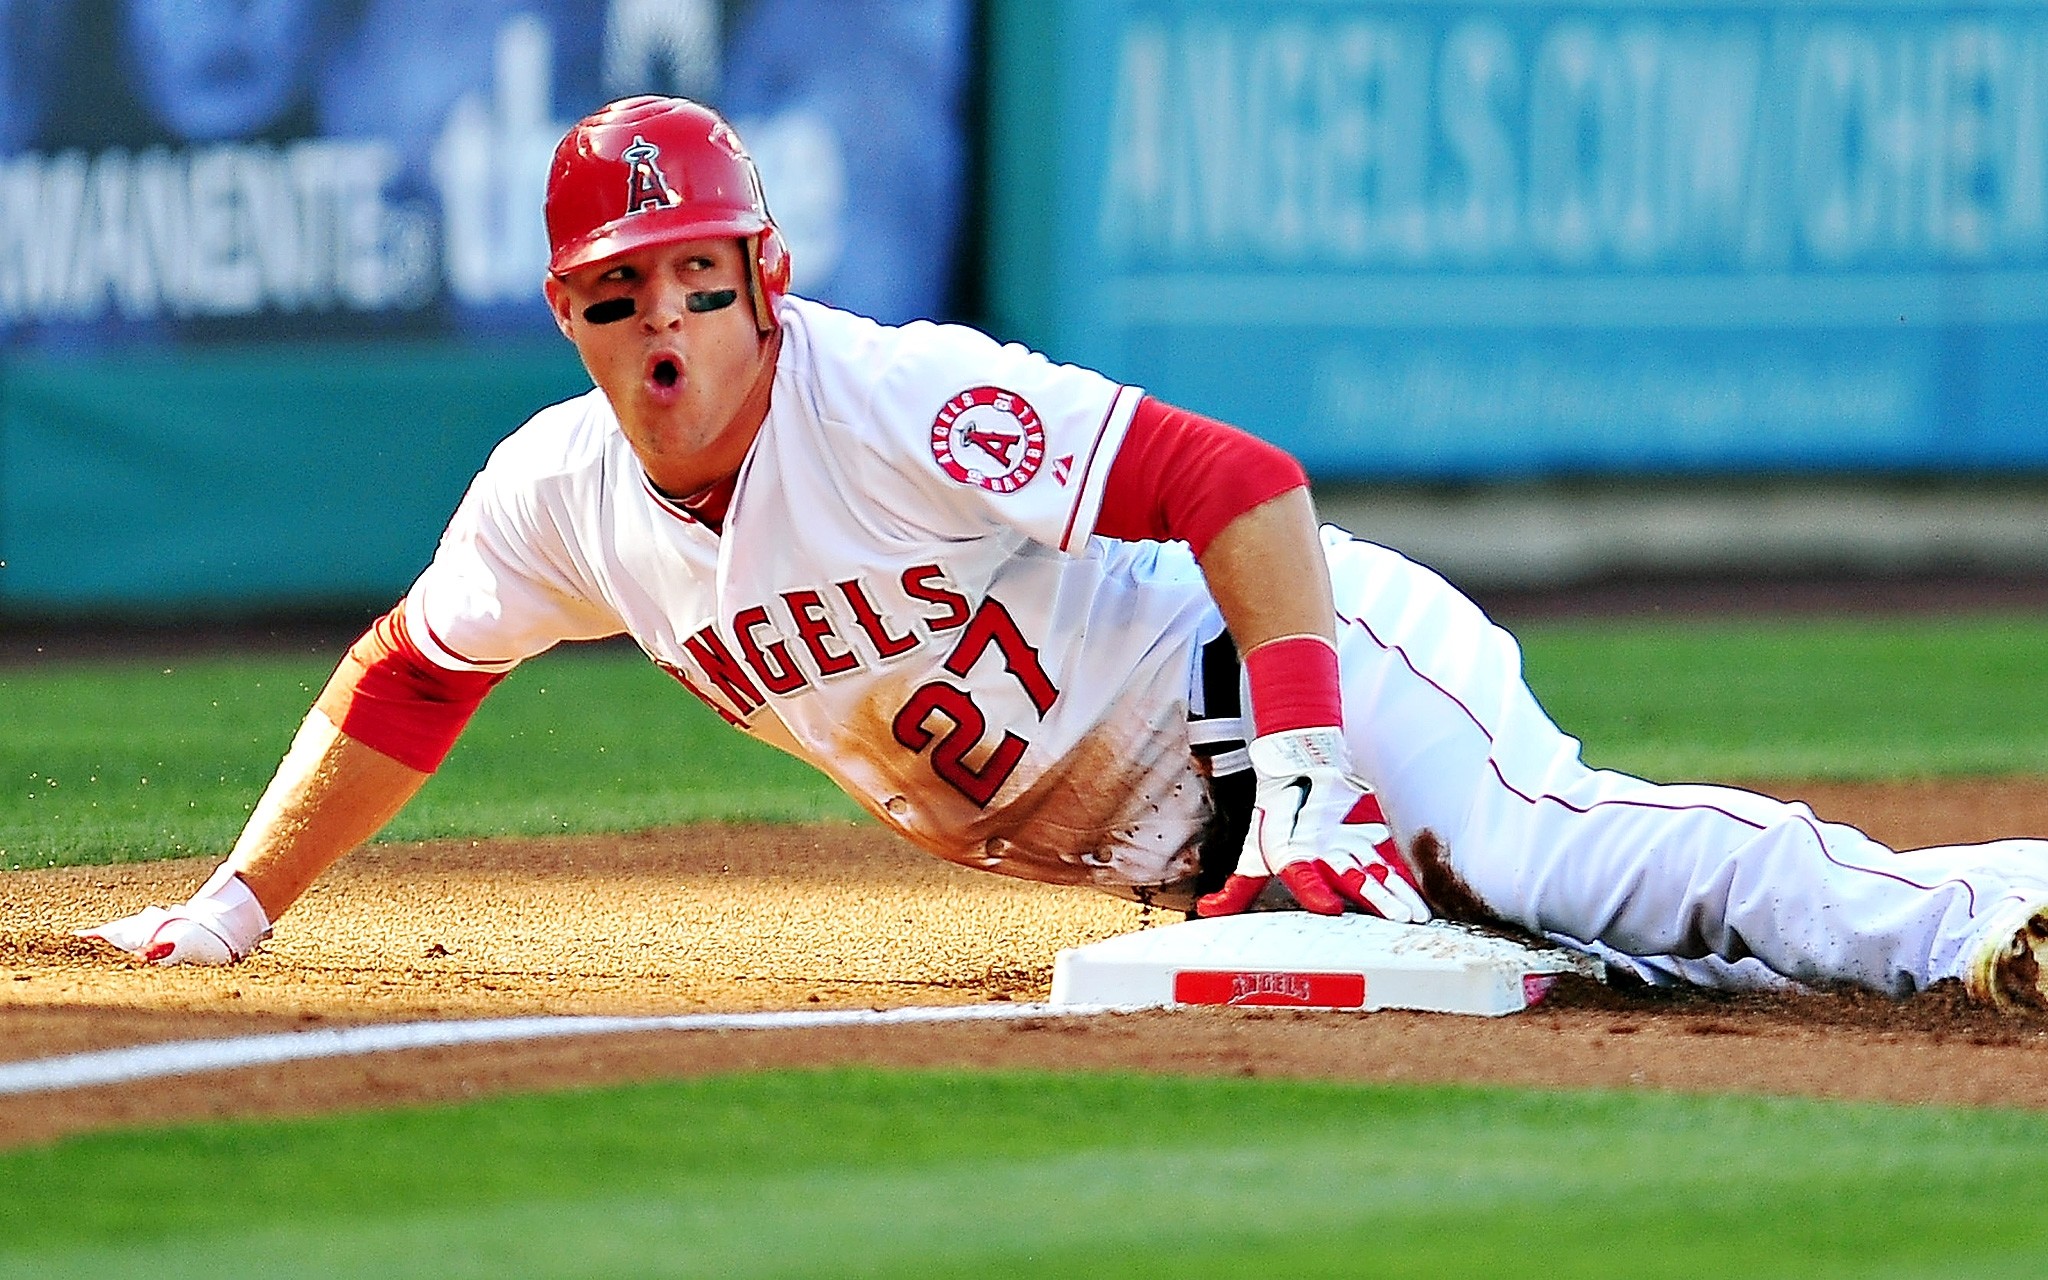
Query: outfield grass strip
[[193, 1057], [859, 1172]]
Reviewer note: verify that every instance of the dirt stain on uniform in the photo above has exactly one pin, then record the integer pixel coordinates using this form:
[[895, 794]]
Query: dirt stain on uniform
[[1446, 891]]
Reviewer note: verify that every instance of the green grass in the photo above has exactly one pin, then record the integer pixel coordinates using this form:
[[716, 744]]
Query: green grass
[[1800, 698], [105, 762], [939, 1174]]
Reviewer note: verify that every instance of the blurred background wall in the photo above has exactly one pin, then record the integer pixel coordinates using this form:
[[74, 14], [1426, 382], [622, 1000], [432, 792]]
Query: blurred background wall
[[1540, 292]]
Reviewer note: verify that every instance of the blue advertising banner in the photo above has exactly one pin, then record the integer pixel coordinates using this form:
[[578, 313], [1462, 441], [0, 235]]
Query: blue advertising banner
[[220, 169], [1442, 240], [270, 269]]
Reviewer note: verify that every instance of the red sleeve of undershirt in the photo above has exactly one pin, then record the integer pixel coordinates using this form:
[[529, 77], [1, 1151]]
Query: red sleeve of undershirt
[[1181, 475], [388, 696]]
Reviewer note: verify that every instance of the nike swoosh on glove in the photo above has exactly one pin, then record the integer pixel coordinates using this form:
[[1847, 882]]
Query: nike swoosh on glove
[[1320, 829], [220, 924]]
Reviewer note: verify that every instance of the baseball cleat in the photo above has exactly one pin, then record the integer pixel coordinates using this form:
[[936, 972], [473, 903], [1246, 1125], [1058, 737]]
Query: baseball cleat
[[2011, 968]]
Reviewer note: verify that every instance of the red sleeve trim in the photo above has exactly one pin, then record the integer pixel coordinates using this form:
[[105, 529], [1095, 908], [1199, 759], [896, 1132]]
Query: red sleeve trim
[[1088, 468], [1181, 475], [388, 696]]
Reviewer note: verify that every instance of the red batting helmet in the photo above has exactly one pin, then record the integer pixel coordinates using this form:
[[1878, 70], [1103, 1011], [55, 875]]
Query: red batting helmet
[[650, 170]]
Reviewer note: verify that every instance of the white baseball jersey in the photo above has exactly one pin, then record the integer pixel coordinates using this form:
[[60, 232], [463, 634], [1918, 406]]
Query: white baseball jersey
[[903, 594], [906, 594]]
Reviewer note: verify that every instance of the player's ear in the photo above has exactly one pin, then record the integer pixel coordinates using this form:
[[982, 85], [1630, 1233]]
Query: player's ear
[[558, 302]]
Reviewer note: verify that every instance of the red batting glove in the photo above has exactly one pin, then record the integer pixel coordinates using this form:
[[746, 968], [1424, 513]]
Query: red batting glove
[[1320, 829]]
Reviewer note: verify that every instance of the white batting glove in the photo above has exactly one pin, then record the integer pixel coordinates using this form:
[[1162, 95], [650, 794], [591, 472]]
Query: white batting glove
[[220, 924], [1320, 829]]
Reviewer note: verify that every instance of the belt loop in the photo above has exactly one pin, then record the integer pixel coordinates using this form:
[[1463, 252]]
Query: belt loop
[[1217, 736], [1217, 740], [1220, 679]]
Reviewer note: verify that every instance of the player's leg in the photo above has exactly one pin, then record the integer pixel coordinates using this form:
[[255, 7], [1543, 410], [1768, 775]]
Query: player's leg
[[1696, 871], [1440, 720]]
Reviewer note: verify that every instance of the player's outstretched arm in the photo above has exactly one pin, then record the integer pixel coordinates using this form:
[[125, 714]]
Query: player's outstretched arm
[[379, 729], [329, 795]]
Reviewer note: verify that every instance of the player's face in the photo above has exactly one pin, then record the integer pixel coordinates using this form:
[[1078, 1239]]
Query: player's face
[[668, 335]]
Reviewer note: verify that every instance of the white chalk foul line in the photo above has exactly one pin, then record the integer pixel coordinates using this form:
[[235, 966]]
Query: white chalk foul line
[[190, 1057]]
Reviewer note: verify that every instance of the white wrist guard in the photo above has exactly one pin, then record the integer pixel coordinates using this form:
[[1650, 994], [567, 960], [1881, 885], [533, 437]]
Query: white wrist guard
[[225, 905]]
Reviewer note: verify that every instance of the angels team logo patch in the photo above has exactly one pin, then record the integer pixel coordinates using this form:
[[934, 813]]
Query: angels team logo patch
[[990, 438]]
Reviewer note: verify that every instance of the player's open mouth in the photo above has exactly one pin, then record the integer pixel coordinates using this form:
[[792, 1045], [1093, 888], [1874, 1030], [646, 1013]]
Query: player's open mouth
[[664, 378]]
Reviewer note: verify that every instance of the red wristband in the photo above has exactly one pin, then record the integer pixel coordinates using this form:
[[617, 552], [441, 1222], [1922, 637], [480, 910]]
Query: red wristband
[[1294, 685]]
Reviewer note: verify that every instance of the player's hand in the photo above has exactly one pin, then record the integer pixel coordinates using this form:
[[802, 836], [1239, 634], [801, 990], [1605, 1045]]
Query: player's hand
[[1320, 829], [220, 924]]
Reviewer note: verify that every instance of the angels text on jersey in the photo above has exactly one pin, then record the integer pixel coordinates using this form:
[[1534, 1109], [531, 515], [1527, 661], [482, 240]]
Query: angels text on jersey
[[807, 635]]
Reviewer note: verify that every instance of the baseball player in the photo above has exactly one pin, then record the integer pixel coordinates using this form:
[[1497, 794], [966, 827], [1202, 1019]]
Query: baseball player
[[1043, 624]]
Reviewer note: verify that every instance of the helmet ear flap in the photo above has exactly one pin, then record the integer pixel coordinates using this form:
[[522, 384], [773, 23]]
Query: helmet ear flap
[[769, 259]]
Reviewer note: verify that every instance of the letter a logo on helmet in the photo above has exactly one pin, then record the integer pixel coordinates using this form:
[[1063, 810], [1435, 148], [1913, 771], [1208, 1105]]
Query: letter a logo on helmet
[[646, 188]]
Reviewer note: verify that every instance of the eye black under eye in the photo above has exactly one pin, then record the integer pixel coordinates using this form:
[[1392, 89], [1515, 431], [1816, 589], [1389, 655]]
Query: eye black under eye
[[711, 299], [609, 311]]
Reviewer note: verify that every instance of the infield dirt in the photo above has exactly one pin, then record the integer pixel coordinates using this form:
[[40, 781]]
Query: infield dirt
[[720, 918]]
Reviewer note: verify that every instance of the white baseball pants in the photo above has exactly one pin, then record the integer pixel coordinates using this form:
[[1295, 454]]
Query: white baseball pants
[[1713, 885]]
